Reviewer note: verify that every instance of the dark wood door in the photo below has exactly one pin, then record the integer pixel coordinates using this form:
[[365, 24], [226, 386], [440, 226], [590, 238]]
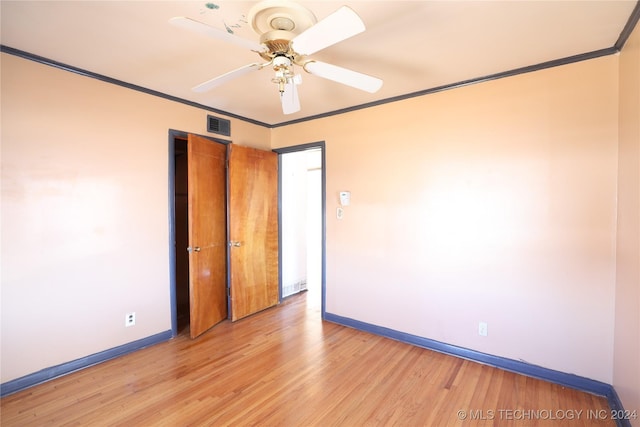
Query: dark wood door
[[253, 230], [207, 233]]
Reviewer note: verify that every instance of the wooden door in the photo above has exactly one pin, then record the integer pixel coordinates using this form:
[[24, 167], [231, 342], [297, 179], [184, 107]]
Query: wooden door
[[253, 230], [207, 233]]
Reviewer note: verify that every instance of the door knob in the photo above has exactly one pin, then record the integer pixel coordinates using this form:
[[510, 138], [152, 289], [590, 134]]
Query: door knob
[[235, 244], [194, 249]]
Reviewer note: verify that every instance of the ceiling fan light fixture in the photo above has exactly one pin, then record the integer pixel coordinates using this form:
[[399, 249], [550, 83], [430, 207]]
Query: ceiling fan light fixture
[[289, 33], [283, 68], [281, 61]]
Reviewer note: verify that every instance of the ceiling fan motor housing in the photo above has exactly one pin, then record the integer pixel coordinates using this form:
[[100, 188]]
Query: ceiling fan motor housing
[[277, 41]]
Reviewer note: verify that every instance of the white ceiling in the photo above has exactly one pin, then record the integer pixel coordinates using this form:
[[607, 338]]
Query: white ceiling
[[412, 45]]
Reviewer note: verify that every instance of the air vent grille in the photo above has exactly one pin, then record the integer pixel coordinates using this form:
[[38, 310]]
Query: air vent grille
[[218, 125]]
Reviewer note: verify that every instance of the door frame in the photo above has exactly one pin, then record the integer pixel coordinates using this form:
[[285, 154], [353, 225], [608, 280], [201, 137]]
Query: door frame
[[292, 149], [173, 134]]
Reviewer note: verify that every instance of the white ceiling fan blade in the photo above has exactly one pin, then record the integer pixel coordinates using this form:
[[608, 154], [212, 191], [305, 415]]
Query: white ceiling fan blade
[[340, 25], [217, 81], [206, 30], [342, 75], [289, 98]]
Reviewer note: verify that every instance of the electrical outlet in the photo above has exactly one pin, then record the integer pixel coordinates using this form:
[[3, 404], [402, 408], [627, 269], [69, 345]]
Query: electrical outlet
[[130, 319], [482, 329]]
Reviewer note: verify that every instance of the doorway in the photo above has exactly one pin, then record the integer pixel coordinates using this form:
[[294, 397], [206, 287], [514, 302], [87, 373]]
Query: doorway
[[302, 222], [181, 232], [223, 231], [198, 231]]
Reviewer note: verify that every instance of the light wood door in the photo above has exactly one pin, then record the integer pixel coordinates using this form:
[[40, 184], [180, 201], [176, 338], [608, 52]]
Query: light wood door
[[253, 230], [207, 233]]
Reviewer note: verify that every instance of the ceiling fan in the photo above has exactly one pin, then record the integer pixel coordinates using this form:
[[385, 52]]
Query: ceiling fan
[[289, 33]]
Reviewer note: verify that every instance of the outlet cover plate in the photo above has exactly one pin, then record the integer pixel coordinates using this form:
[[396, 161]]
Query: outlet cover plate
[[482, 329], [130, 319]]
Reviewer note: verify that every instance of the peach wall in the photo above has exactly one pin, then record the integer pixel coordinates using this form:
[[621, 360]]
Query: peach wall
[[493, 202], [85, 213], [626, 370]]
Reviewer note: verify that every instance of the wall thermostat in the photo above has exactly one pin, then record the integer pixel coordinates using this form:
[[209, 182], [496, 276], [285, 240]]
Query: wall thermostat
[[345, 198]]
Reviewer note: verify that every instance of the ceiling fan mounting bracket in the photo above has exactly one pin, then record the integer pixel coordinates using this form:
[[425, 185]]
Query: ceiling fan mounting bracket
[[280, 15]]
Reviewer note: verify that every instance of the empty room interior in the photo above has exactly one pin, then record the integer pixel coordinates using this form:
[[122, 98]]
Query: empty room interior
[[476, 182]]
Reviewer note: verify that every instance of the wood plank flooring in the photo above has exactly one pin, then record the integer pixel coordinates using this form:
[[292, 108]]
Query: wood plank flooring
[[285, 367]]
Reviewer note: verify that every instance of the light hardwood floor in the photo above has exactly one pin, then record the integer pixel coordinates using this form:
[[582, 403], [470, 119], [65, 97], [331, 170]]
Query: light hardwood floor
[[285, 367]]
